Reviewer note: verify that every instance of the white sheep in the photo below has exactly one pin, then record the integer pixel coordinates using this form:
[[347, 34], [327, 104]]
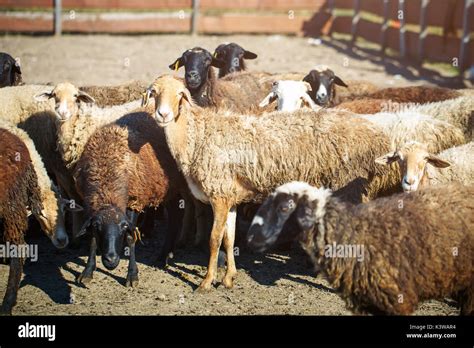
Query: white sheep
[[290, 95]]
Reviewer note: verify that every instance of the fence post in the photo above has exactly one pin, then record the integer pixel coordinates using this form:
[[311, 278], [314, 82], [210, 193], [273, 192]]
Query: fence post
[[383, 34], [331, 8], [355, 20], [423, 30], [465, 35], [194, 17], [57, 17], [401, 10]]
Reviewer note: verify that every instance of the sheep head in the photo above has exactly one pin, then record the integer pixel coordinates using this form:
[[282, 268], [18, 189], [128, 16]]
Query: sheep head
[[196, 62], [169, 93], [67, 98], [291, 95], [10, 71], [279, 207], [233, 56], [413, 158], [322, 80]]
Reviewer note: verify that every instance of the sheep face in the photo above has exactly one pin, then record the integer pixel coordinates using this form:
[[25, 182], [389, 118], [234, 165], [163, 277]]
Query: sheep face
[[169, 94], [233, 56], [66, 98], [413, 158], [111, 227], [51, 218], [291, 95], [196, 62], [322, 80], [10, 72]]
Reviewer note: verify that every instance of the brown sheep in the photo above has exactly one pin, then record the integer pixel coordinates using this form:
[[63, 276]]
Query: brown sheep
[[126, 165], [115, 95], [25, 186], [385, 256], [414, 94]]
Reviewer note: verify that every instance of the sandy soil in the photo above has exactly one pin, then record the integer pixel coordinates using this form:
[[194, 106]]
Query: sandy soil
[[274, 283]]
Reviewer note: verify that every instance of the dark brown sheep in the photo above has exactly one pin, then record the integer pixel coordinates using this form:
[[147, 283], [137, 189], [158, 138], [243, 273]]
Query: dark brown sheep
[[414, 94], [10, 71], [126, 165], [385, 256]]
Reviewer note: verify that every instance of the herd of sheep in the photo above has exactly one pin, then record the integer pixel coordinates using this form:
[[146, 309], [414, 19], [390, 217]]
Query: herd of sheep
[[276, 157]]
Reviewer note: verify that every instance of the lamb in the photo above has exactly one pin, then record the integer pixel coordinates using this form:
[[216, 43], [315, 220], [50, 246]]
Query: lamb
[[385, 256], [25, 185], [10, 71], [407, 126], [233, 56], [414, 158], [115, 95], [207, 91], [291, 95], [126, 165], [328, 90], [232, 159]]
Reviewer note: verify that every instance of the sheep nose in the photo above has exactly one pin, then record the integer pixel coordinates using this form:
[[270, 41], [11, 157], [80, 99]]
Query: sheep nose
[[408, 181], [193, 74], [110, 260], [62, 241]]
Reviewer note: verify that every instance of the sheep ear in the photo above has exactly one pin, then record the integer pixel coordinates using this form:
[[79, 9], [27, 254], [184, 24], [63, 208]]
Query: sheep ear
[[249, 55], [178, 63], [85, 98], [338, 81], [43, 96], [84, 228], [217, 63], [308, 101], [146, 97], [187, 96], [388, 158], [437, 162], [17, 67], [270, 98]]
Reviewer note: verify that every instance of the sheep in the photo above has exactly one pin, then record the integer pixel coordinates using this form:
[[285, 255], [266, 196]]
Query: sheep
[[126, 164], [233, 56], [231, 159], [384, 256], [10, 71], [115, 95], [207, 91], [458, 111], [414, 158], [77, 118], [413, 94], [25, 185], [406, 126], [327, 89], [290, 95]]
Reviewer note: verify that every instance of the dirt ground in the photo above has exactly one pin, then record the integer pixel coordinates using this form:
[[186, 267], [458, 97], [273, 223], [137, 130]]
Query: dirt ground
[[274, 283]]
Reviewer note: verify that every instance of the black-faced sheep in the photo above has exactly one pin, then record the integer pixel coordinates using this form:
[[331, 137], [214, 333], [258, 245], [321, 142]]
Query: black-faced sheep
[[233, 56], [420, 168], [327, 89], [385, 256], [10, 71], [25, 185], [126, 165], [231, 159], [208, 91]]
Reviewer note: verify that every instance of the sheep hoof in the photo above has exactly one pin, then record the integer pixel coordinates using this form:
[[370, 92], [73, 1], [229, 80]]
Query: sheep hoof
[[161, 263], [228, 283], [84, 278], [204, 287], [132, 281]]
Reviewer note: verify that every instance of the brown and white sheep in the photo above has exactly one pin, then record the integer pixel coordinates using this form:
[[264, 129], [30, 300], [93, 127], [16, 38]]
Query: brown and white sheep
[[420, 168], [385, 256], [25, 186], [232, 159]]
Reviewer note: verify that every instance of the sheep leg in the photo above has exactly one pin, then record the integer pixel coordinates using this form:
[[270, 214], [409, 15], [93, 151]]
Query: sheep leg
[[221, 210], [86, 275], [174, 225], [229, 238], [467, 300], [14, 277], [132, 274], [188, 228]]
